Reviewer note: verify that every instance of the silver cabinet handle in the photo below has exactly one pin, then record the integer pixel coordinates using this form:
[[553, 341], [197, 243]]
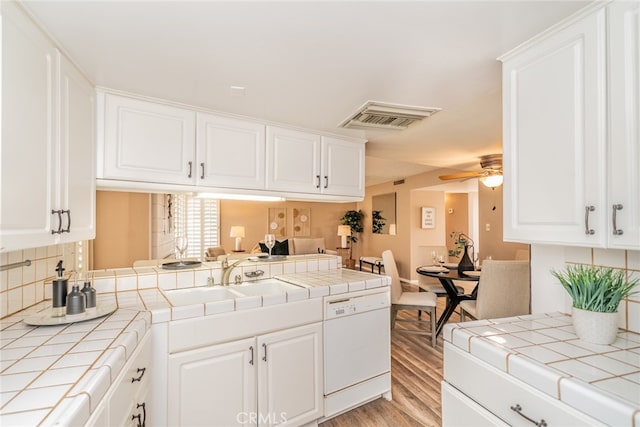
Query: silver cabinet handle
[[190, 169], [588, 230], [518, 410], [251, 360], [59, 213], [68, 212], [326, 181], [616, 230], [202, 169], [318, 178], [264, 347]]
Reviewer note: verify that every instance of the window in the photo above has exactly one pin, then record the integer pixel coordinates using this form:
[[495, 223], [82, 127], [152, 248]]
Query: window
[[198, 220]]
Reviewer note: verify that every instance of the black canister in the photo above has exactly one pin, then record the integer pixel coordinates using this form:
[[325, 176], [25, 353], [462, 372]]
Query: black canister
[[75, 301], [59, 292], [90, 295]]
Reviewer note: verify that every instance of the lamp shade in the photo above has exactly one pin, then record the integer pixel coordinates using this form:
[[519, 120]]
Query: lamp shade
[[343, 232], [237, 231], [492, 181]]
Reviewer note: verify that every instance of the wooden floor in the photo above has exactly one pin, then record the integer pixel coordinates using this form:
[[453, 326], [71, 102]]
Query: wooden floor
[[416, 372]]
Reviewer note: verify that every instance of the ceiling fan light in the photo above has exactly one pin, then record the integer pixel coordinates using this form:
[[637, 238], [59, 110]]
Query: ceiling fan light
[[492, 181]]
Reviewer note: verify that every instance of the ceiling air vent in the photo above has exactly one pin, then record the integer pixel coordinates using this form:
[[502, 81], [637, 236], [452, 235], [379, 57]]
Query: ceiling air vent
[[382, 115]]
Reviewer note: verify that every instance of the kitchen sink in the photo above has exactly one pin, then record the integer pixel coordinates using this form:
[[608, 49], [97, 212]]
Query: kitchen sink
[[264, 287], [199, 295], [205, 294]]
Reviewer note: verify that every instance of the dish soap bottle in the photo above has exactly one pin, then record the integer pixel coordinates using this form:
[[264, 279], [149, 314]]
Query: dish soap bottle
[[75, 301], [59, 296], [90, 296]]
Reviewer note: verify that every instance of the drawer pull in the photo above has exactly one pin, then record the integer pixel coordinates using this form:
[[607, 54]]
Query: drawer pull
[[142, 418], [141, 372], [518, 410]]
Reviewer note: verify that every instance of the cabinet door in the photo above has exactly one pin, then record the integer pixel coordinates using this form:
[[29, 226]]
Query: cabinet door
[[230, 152], [555, 137], [28, 133], [148, 142], [293, 161], [213, 386], [343, 167], [624, 128], [290, 376], [77, 191]]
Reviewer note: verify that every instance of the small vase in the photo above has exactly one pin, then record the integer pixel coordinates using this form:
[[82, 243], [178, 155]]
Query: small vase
[[465, 263], [595, 327]]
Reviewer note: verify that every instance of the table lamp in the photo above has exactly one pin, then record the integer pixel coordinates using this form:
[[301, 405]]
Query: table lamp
[[237, 231], [343, 232]]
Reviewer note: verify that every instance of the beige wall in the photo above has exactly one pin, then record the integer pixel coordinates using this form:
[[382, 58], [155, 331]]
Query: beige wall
[[121, 218], [324, 217], [491, 212], [456, 206]]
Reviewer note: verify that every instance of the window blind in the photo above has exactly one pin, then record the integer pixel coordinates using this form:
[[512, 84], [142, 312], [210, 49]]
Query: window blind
[[197, 219]]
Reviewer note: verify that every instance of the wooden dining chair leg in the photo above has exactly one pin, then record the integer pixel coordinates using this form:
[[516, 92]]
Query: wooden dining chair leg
[[462, 315], [434, 335]]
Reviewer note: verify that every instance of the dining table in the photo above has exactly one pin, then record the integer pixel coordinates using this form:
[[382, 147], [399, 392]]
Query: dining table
[[446, 277]]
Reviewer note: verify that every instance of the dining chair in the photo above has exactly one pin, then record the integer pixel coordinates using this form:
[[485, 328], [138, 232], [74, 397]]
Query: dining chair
[[504, 290], [401, 300]]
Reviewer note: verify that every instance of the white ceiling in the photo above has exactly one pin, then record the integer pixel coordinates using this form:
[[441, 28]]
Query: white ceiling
[[311, 64]]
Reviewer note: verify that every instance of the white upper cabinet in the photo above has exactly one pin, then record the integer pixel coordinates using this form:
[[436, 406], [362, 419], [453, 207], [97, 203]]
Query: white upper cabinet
[[570, 103], [144, 145], [293, 160], [624, 125], [148, 142], [48, 141], [77, 152], [230, 152], [309, 163]]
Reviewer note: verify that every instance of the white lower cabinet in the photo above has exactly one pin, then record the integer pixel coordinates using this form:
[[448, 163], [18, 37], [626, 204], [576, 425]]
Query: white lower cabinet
[[270, 379], [462, 411], [485, 388], [127, 401]]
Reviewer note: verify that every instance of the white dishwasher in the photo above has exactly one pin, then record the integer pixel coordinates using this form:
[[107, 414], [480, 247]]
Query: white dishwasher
[[357, 349]]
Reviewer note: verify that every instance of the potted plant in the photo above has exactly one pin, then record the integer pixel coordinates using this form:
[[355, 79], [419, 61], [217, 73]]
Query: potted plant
[[596, 294], [354, 220]]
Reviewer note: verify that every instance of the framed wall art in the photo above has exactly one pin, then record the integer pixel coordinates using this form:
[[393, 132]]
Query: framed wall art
[[428, 217], [277, 222], [301, 222]]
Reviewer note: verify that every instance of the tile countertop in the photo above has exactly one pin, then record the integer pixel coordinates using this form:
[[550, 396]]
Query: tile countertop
[[542, 350], [54, 374]]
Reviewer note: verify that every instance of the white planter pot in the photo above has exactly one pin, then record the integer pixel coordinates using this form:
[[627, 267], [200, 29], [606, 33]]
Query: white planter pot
[[594, 327]]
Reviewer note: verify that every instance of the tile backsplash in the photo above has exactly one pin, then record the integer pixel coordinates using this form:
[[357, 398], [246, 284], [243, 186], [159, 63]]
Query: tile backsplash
[[23, 287], [545, 287]]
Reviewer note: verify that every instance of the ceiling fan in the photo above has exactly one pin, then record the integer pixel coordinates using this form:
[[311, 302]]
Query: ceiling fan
[[490, 175]]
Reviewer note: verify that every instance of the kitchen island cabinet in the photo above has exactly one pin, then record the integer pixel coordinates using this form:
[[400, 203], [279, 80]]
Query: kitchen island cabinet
[[571, 132], [535, 366], [48, 140], [266, 380]]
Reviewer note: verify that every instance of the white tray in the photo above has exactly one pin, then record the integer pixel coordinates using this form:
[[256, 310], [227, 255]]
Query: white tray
[[44, 318]]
